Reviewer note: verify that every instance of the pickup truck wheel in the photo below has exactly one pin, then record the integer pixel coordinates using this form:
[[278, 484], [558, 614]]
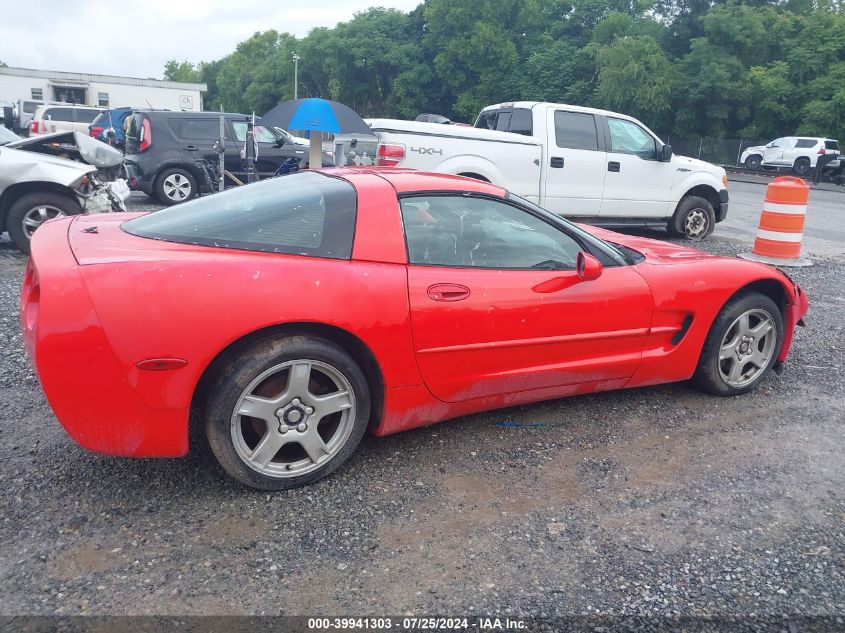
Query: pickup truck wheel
[[694, 219], [753, 162], [175, 185], [34, 209], [801, 167]]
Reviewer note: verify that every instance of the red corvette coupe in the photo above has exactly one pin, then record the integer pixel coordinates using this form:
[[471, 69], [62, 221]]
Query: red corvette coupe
[[291, 315]]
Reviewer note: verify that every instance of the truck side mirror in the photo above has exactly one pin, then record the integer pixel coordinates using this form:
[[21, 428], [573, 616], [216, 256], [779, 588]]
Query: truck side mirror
[[665, 154]]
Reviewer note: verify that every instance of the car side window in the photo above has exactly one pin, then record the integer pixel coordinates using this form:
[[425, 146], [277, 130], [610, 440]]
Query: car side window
[[778, 142], [629, 138], [85, 116], [521, 122], [805, 143], [576, 130], [473, 232], [262, 134], [487, 120], [195, 129]]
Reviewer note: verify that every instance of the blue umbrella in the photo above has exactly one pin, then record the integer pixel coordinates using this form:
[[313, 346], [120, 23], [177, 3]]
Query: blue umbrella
[[316, 116]]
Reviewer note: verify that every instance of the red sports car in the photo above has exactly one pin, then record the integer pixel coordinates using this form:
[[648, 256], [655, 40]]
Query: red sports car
[[289, 316]]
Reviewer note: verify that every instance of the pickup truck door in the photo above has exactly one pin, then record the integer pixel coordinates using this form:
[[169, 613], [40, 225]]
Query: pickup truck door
[[574, 172], [497, 306], [637, 184]]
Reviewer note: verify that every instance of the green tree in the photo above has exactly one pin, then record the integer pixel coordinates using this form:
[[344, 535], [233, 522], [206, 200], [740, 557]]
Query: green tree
[[181, 71]]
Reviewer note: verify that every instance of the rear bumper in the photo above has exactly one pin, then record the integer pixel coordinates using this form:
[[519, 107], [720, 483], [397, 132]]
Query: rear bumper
[[138, 179], [794, 315], [86, 385]]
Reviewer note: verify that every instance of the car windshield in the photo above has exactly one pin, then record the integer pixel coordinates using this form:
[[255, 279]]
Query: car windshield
[[617, 253], [7, 136], [300, 214]]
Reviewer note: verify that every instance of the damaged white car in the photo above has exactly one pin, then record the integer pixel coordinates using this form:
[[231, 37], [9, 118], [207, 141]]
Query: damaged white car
[[55, 175]]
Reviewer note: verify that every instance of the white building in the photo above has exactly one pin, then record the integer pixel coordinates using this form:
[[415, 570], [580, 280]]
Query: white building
[[105, 91]]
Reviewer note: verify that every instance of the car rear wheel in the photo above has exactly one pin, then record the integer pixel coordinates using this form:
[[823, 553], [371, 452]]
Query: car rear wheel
[[694, 219], [741, 347], [801, 167], [34, 209], [175, 185], [753, 162], [286, 412]]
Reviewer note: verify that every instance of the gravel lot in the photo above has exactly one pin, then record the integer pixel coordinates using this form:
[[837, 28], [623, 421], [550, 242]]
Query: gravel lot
[[659, 501]]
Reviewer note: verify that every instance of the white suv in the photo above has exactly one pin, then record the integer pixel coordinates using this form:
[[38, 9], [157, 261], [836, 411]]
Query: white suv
[[798, 152], [62, 118]]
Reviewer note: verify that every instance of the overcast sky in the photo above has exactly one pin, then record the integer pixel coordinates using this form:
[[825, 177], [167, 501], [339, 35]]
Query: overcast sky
[[135, 38]]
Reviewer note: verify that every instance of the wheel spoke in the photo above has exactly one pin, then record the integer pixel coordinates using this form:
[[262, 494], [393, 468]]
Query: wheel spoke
[[314, 445], [761, 329], [267, 448], [743, 325], [300, 376], [727, 350], [326, 405], [757, 359], [42, 213], [735, 372], [32, 223], [261, 408]]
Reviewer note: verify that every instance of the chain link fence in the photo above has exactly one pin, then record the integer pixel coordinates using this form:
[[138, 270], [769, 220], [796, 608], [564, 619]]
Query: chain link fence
[[719, 151]]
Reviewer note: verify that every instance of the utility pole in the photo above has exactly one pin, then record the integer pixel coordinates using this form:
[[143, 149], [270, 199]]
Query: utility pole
[[296, 59]]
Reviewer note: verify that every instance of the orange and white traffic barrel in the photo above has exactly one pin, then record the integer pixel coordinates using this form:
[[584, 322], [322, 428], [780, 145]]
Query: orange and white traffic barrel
[[781, 227]]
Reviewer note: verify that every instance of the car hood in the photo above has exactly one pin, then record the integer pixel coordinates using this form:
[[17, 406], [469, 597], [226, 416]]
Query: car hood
[[22, 166], [89, 149], [655, 251], [699, 165]]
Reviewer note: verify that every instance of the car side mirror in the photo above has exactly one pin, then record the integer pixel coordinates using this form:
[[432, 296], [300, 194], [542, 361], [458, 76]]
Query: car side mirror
[[588, 267], [665, 154], [280, 141]]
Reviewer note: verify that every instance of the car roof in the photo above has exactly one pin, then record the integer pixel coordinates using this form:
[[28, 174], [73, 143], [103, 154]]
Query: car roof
[[413, 181]]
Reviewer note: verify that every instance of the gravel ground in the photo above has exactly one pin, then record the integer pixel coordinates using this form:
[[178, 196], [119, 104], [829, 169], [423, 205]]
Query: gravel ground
[[640, 503]]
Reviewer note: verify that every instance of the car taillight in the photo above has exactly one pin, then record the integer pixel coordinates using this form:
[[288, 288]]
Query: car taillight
[[33, 127], [95, 131], [390, 155], [146, 136], [821, 151]]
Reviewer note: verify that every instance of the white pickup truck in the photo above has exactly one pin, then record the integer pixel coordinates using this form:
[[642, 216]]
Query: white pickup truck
[[595, 166]]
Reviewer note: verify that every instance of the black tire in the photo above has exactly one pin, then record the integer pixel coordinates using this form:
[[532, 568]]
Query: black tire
[[708, 376], [754, 162], [802, 167], [694, 219], [235, 376], [174, 186], [23, 210]]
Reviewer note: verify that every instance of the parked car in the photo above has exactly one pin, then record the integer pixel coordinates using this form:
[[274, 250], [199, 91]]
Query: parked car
[[349, 300], [49, 119], [108, 126], [800, 153], [600, 167], [163, 149], [51, 176], [26, 110]]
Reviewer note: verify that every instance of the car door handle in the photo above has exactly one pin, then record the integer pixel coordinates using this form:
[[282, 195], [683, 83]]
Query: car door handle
[[614, 166], [448, 292], [556, 161], [191, 148]]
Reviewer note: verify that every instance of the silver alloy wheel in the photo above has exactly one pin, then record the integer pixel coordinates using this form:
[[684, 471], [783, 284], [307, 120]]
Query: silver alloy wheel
[[37, 216], [747, 347], [696, 224], [293, 418], [753, 162], [176, 187]]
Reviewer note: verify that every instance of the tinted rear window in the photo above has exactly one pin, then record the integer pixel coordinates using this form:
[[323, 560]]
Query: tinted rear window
[[521, 122], [831, 145], [301, 214], [575, 130]]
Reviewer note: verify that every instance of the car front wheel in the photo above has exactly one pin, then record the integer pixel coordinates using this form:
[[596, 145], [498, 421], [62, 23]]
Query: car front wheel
[[741, 347], [286, 412], [694, 219], [753, 162], [34, 209]]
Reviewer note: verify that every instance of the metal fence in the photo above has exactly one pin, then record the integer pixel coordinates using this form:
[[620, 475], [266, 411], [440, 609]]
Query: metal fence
[[720, 151]]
